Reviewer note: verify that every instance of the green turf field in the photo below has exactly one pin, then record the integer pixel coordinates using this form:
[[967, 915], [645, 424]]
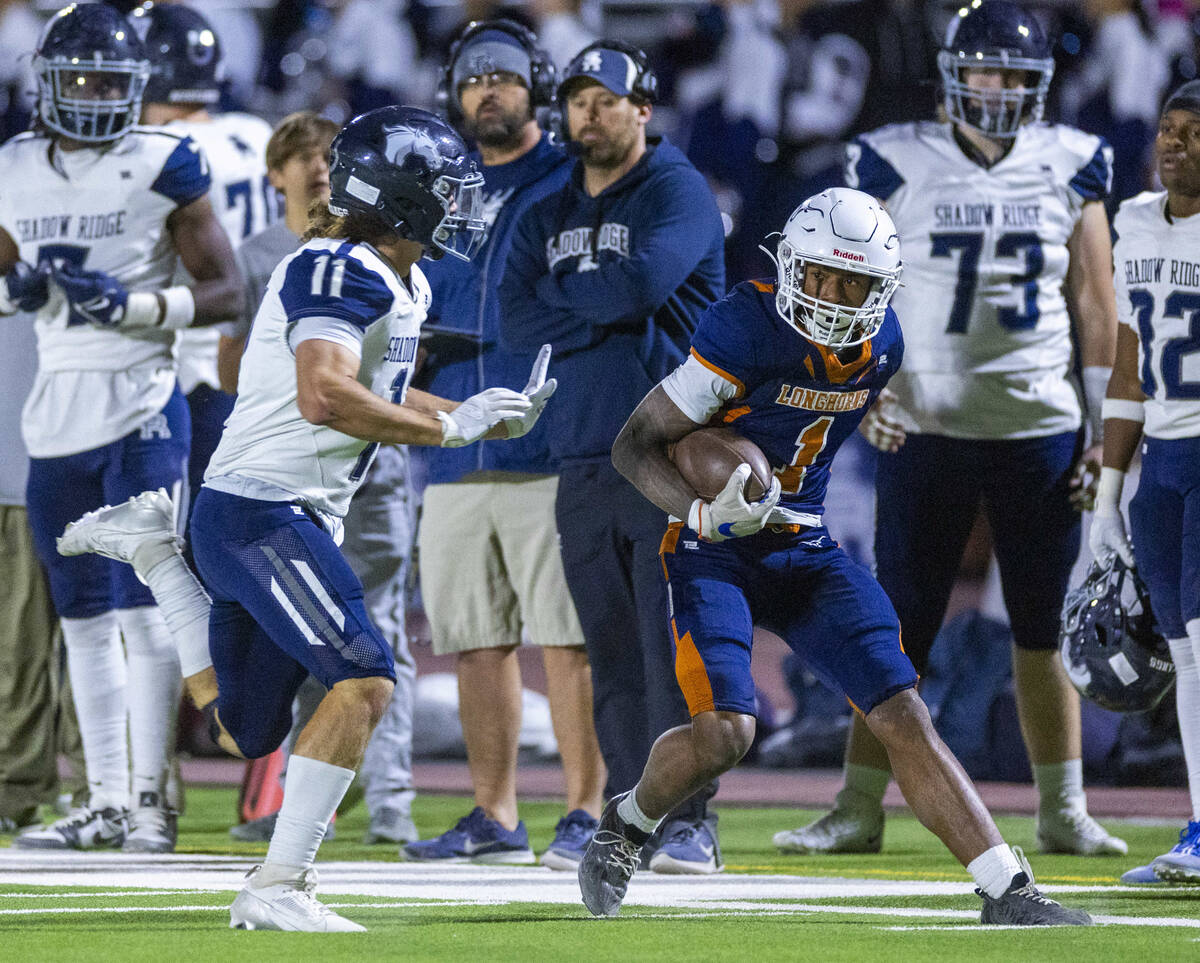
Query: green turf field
[[910, 903]]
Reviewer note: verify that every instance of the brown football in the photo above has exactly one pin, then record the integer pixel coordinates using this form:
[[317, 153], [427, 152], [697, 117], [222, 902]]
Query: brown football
[[707, 457]]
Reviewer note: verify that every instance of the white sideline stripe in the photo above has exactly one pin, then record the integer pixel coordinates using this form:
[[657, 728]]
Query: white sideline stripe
[[286, 604], [314, 583], [1170, 921], [50, 910], [112, 892]]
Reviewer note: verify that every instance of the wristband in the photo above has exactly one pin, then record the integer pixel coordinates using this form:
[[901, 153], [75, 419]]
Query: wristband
[[1108, 490], [1124, 409], [695, 516], [179, 307]]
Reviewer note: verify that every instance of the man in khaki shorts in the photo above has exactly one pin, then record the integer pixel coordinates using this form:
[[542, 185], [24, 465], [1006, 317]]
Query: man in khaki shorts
[[491, 571]]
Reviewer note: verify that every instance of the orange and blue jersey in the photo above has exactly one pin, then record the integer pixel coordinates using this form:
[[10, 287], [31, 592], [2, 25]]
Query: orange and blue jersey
[[796, 399]]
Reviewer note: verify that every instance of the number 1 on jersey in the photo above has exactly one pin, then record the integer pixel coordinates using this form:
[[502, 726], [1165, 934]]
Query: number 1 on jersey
[[809, 444]]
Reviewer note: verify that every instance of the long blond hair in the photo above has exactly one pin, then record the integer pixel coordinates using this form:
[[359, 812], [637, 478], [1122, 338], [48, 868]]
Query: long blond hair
[[355, 226]]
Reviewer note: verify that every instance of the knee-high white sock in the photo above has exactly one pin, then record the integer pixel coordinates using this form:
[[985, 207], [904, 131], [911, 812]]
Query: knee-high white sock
[[97, 666], [183, 603], [1186, 655], [153, 696], [310, 798], [1060, 786]]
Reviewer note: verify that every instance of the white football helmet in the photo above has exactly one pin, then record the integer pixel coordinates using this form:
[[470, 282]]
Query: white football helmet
[[846, 229]]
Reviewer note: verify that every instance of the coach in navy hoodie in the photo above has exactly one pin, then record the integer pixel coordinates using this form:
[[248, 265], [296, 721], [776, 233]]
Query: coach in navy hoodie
[[614, 270], [490, 566]]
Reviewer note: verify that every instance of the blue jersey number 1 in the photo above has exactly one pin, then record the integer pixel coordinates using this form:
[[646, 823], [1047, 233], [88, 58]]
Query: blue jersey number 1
[[367, 455]]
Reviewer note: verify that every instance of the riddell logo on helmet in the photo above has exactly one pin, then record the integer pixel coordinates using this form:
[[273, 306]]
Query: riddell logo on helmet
[[848, 255]]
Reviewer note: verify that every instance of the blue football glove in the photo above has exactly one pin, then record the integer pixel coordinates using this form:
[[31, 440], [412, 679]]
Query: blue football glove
[[25, 288], [93, 297]]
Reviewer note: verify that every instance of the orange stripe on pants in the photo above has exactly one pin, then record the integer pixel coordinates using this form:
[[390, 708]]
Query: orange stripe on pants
[[691, 673]]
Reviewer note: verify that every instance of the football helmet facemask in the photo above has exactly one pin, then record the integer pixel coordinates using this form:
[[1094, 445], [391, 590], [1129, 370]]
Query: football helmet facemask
[[1109, 642], [845, 229], [186, 65], [995, 34], [408, 168], [91, 72]]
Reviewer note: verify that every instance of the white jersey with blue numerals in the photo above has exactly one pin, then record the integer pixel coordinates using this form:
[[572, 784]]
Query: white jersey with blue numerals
[[1157, 276], [244, 202], [336, 291], [104, 210], [986, 331]]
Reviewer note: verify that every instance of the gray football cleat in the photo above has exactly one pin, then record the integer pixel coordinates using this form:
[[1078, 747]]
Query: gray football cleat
[[609, 862], [152, 827], [391, 825], [1074, 831], [1023, 905], [838, 831]]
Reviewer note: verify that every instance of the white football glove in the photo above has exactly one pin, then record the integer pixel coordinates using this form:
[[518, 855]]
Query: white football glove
[[538, 390], [729, 515], [881, 426], [1108, 535], [476, 416]]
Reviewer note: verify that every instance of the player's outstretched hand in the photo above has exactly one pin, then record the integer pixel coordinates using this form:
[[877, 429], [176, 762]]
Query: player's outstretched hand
[[1107, 535], [538, 390], [729, 515], [881, 426], [24, 288], [93, 297], [479, 414]]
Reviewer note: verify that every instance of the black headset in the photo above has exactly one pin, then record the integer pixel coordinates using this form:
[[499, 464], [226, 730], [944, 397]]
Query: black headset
[[542, 75], [645, 84]]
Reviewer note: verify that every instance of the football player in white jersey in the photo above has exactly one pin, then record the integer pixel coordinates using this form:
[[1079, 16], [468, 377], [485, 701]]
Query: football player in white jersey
[[95, 215], [1000, 214], [186, 71], [327, 368], [1154, 397]]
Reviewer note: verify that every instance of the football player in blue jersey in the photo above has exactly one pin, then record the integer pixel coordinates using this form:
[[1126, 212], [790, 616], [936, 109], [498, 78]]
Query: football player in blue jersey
[[793, 366], [1004, 227], [326, 382], [1154, 397], [95, 215]]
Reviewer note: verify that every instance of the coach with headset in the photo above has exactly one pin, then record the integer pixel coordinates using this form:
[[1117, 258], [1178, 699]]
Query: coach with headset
[[614, 270], [490, 565]]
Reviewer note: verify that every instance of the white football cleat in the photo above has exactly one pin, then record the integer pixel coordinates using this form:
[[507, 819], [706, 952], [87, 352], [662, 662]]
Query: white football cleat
[[1074, 831], [838, 831], [118, 531], [288, 906], [152, 827]]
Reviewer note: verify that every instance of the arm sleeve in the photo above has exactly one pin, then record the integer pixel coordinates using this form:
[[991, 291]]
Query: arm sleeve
[[326, 329], [679, 217], [326, 284], [867, 171], [526, 322], [698, 390], [1093, 181], [184, 177]]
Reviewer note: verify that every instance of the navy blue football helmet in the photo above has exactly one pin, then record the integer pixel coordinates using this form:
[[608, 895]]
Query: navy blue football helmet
[[995, 34], [409, 169], [91, 71], [1110, 645], [186, 66]]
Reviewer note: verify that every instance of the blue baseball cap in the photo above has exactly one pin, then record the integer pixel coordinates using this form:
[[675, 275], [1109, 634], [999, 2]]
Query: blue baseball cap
[[614, 69], [488, 52]]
